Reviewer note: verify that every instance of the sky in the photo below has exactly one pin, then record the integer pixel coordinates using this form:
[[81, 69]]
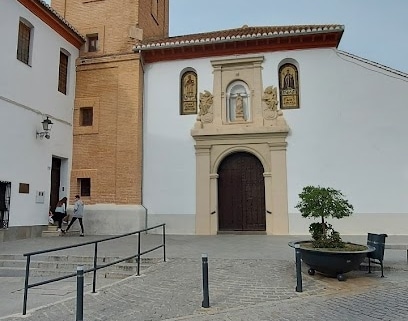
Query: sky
[[374, 29]]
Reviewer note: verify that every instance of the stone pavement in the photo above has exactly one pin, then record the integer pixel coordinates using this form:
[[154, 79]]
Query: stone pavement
[[252, 277]]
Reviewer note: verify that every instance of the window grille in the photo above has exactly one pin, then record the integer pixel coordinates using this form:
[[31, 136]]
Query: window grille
[[5, 193]]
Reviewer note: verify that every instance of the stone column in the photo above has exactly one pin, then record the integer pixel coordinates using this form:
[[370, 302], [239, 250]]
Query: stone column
[[279, 190], [203, 210]]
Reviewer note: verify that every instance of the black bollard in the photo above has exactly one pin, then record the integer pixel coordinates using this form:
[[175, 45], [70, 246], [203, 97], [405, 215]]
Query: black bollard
[[298, 257], [206, 298], [80, 293]]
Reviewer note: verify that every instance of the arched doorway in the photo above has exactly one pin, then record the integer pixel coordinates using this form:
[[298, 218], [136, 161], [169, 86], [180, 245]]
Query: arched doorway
[[241, 193]]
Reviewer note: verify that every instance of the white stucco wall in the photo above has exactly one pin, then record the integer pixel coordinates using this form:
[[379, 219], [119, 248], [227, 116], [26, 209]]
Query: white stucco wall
[[26, 94], [348, 134]]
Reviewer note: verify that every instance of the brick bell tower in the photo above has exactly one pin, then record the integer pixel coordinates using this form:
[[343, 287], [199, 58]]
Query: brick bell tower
[[107, 122]]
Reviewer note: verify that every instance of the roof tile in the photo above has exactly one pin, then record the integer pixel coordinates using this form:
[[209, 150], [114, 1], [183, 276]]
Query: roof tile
[[244, 32]]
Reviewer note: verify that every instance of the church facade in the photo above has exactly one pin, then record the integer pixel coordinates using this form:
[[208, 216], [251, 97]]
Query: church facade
[[276, 109], [219, 132]]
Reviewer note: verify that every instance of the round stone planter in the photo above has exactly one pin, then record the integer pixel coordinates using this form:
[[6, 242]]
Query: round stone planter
[[331, 262]]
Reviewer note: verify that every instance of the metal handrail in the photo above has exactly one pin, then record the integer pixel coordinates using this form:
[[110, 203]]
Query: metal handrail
[[95, 258]]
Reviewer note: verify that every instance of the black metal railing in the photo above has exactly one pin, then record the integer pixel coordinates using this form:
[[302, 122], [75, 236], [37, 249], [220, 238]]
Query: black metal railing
[[95, 258]]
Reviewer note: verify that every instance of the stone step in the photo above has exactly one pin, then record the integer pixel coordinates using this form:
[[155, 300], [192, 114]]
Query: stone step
[[59, 265], [67, 266], [103, 273], [77, 258], [47, 233], [52, 230]]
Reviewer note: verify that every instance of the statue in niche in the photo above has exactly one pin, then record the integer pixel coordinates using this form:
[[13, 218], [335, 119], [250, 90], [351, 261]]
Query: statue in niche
[[270, 98], [205, 115], [239, 107]]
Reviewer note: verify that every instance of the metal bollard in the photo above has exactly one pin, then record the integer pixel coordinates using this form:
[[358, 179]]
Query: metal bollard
[[298, 257], [80, 293], [206, 298]]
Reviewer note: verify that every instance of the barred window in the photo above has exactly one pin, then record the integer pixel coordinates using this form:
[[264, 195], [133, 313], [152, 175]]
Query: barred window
[[63, 73], [23, 46], [86, 116]]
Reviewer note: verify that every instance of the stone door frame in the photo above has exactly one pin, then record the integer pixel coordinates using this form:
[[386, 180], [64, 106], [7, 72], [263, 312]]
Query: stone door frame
[[270, 148]]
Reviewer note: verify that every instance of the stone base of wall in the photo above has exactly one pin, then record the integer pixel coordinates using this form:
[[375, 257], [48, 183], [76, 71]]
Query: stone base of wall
[[182, 224], [111, 219], [21, 232]]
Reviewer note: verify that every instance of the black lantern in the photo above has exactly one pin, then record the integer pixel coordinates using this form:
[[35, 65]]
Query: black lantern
[[46, 125]]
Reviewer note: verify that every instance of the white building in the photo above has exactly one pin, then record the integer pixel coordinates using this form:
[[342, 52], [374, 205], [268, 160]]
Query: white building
[[340, 122], [37, 84]]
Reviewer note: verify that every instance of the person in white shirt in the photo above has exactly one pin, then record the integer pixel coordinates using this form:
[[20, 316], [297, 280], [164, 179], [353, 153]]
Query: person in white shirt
[[60, 212], [78, 214]]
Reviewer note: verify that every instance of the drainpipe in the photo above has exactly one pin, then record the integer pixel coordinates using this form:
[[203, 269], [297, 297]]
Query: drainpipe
[[143, 68]]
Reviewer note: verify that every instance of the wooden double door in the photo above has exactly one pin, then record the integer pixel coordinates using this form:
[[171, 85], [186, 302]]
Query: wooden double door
[[241, 193]]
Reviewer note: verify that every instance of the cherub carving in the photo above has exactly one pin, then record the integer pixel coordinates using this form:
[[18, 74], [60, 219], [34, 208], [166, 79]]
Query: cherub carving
[[270, 97], [206, 102]]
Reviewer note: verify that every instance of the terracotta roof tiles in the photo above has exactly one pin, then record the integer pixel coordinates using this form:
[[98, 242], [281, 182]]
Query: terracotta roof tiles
[[243, 33]]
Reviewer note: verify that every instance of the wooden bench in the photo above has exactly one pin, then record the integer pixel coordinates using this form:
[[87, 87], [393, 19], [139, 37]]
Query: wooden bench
[[397, 247]]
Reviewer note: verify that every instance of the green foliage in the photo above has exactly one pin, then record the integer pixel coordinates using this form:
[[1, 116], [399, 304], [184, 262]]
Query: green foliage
[[323, 203]]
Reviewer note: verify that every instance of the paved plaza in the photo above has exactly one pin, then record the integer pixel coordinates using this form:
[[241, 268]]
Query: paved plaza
[[251, 277]]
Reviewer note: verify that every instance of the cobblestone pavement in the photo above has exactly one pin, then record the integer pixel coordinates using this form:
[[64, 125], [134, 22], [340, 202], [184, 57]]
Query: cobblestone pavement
[[244, 284], [240, 289]]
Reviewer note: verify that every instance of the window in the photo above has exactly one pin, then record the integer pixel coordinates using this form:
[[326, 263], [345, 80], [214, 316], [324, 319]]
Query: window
[[155, 10], [24, 188], [84, 186], [86, 116], [188, 93], [24, 39], [63, 73], [92, 42]]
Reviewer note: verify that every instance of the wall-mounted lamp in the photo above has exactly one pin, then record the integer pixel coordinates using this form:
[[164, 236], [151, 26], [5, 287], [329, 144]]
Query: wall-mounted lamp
[[46, 125]]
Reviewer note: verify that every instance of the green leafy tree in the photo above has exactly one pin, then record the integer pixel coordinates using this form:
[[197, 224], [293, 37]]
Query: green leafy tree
[[323, 203]]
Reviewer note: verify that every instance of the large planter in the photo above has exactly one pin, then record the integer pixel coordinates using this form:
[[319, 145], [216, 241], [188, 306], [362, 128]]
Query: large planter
[[331, 263]]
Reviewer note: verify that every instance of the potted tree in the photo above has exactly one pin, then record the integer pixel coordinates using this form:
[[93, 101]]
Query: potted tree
[[326, 252]]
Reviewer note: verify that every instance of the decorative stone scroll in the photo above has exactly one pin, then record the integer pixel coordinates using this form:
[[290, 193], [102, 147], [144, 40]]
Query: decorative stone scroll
[[205, 115], [270, 99]]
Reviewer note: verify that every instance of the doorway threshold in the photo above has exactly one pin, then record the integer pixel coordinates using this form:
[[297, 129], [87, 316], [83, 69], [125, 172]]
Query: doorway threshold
[[242, 232]]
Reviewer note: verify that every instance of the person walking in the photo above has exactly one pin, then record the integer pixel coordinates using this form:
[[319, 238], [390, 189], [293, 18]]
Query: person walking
[[60, 212], [78, 214]]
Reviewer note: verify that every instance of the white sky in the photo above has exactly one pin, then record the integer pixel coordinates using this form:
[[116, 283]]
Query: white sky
[[374, 29]]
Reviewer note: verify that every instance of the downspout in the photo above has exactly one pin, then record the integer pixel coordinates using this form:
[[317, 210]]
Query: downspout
[[143, 70]]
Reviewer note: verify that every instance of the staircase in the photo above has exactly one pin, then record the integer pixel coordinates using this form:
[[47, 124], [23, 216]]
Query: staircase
[[52, 230], [59, 265]]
